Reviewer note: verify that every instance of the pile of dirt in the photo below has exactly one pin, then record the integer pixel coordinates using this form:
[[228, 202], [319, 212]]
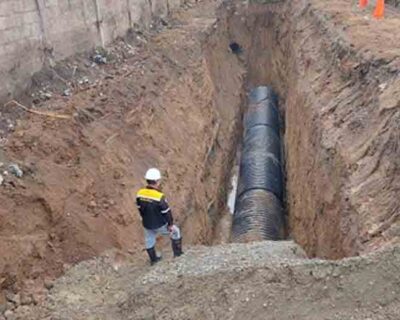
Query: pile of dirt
[[265, 280]]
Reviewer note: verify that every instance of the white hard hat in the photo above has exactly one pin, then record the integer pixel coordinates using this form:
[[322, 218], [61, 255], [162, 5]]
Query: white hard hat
[[153, 174]]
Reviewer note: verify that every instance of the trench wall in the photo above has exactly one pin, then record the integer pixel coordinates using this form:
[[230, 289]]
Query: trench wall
[[336, 76], [33, 32]]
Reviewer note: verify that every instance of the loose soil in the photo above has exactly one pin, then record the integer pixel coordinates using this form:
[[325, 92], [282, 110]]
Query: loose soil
[[172, 98], [154, 105], [265, 280]]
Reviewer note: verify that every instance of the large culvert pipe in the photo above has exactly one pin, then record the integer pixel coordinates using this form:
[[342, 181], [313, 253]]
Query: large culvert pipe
[[258, 211], [260, 165]]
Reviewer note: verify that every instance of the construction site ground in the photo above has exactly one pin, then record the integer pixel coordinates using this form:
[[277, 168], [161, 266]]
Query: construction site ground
[[172, 97]]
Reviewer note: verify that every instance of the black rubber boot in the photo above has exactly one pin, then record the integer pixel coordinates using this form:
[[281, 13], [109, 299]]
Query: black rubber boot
[[153, 255], [177, 247]]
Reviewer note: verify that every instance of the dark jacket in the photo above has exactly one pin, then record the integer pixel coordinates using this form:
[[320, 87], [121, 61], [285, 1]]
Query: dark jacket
[[153, 208]]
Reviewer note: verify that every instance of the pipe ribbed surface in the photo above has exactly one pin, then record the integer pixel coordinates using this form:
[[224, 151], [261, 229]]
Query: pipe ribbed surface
[[258, 211], [262, 109], [258, 216]]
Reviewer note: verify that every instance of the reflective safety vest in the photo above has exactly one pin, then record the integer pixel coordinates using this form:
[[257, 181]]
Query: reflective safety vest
[[153, 208]]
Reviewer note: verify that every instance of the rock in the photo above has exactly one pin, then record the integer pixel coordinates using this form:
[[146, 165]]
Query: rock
[[92, 204], [15, 170], [10, 306], [14, 298], [1, 179], [9, 315], [23, 312], [26, 299], [45, 95], [67, 93], [99, 59], [48, 284], [36, 299], [235, 48]]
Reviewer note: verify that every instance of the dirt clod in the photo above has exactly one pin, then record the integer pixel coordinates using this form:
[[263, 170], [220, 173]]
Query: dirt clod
[[26, 299], [14, 298], [9, 315], [48, 284]]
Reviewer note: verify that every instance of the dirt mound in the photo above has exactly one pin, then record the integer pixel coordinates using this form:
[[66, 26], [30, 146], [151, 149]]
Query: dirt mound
[[265, 280]]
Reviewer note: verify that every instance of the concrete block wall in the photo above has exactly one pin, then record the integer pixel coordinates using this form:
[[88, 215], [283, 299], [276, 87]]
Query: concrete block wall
[[33, 30]]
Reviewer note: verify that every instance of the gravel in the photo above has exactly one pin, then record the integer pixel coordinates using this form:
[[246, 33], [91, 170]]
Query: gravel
[[201, 261]]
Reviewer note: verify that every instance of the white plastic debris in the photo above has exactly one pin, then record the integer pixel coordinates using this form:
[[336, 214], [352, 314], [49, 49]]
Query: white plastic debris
[[382, 86], [67, 93], [15, 170]]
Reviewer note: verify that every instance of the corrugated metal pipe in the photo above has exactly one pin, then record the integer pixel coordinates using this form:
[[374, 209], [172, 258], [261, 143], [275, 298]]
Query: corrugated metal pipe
[[258, 211]]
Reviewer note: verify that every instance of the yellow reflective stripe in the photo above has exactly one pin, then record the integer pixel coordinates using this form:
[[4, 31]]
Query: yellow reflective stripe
[[150, 194]]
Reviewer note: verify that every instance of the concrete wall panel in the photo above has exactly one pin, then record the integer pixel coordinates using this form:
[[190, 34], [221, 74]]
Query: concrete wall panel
[[30, 29]]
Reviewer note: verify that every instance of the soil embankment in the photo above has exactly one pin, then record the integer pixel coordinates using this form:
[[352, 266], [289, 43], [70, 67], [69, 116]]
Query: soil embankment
[[337, 72], [156, 103]]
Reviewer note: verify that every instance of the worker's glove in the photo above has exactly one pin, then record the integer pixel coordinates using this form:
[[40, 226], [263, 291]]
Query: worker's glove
[[174, 232]]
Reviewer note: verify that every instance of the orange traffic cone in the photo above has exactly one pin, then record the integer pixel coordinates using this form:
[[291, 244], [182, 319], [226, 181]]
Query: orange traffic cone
[[363, 3], [379, 9]]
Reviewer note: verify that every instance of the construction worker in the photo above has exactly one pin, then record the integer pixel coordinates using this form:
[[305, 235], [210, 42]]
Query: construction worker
[[157, 216]]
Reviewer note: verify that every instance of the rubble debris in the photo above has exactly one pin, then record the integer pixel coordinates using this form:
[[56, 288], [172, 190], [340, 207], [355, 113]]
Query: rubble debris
[[32, 110], [1, 180], [26, 299], [41, 95], [48, 284], [100, 59], [235, 48], [9, 315], [13, 298], [67, 93], [92, 204], [84, 80], [16, 170]]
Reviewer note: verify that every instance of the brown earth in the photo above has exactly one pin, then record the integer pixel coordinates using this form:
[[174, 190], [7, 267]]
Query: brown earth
[[156, 105], [336, 69], [173, 100], [263, 280]]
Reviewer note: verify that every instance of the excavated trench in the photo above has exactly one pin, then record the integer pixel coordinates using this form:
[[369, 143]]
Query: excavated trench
[[321, 82], [339, 112], [258, 213]]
